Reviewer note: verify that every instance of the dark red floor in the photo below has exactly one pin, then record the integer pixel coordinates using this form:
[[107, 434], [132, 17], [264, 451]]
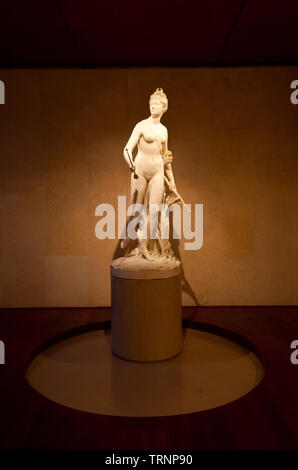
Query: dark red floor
[[266, 418]]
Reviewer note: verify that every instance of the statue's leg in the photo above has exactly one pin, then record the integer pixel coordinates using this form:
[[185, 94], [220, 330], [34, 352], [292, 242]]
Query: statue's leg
[[155, 192], [137, 195], [142, 232]]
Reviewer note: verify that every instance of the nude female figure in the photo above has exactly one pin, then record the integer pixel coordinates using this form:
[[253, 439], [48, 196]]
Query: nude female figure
[[152, 163]]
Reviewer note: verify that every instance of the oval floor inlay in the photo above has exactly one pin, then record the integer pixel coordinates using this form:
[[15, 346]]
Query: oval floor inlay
[[82, 373]]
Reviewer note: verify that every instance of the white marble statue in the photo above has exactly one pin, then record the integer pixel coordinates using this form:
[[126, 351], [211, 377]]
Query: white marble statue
[[152, 180]]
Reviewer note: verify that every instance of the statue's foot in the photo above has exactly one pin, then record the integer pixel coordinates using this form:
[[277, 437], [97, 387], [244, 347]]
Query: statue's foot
[[145, 253], [142, 246], [143, 250], [124, 243]]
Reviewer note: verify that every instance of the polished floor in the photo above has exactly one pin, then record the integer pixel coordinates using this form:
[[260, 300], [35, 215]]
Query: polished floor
[[82, 373], [264, 418]]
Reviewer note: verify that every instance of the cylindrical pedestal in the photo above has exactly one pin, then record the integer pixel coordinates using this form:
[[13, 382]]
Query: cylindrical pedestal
[[146, 313]]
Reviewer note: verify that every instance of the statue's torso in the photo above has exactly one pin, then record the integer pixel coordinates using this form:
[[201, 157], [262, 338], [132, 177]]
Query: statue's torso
[[149, 160]]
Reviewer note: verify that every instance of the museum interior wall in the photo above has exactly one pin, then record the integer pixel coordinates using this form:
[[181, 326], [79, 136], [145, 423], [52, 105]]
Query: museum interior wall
[[233, 134]]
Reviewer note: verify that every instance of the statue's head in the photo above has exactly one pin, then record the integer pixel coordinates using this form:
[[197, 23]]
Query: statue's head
[[159, 97]]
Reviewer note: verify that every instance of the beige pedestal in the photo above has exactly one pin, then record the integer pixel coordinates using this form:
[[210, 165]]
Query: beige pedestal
[[146, 310]]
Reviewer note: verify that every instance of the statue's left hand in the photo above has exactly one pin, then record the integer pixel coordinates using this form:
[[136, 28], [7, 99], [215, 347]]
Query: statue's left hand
[[173, 187], [167, 157]]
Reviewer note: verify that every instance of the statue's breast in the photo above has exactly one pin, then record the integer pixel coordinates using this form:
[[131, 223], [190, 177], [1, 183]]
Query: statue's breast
[[148, 137]]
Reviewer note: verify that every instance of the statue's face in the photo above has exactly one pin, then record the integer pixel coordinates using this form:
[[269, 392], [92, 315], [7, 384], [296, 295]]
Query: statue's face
[[156, 107]]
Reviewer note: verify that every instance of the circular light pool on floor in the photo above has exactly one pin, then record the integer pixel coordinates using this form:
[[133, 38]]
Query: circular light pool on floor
[[82, 373]]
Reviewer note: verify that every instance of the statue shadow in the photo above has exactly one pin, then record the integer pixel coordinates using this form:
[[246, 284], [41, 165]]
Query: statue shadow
[[185, 285]]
